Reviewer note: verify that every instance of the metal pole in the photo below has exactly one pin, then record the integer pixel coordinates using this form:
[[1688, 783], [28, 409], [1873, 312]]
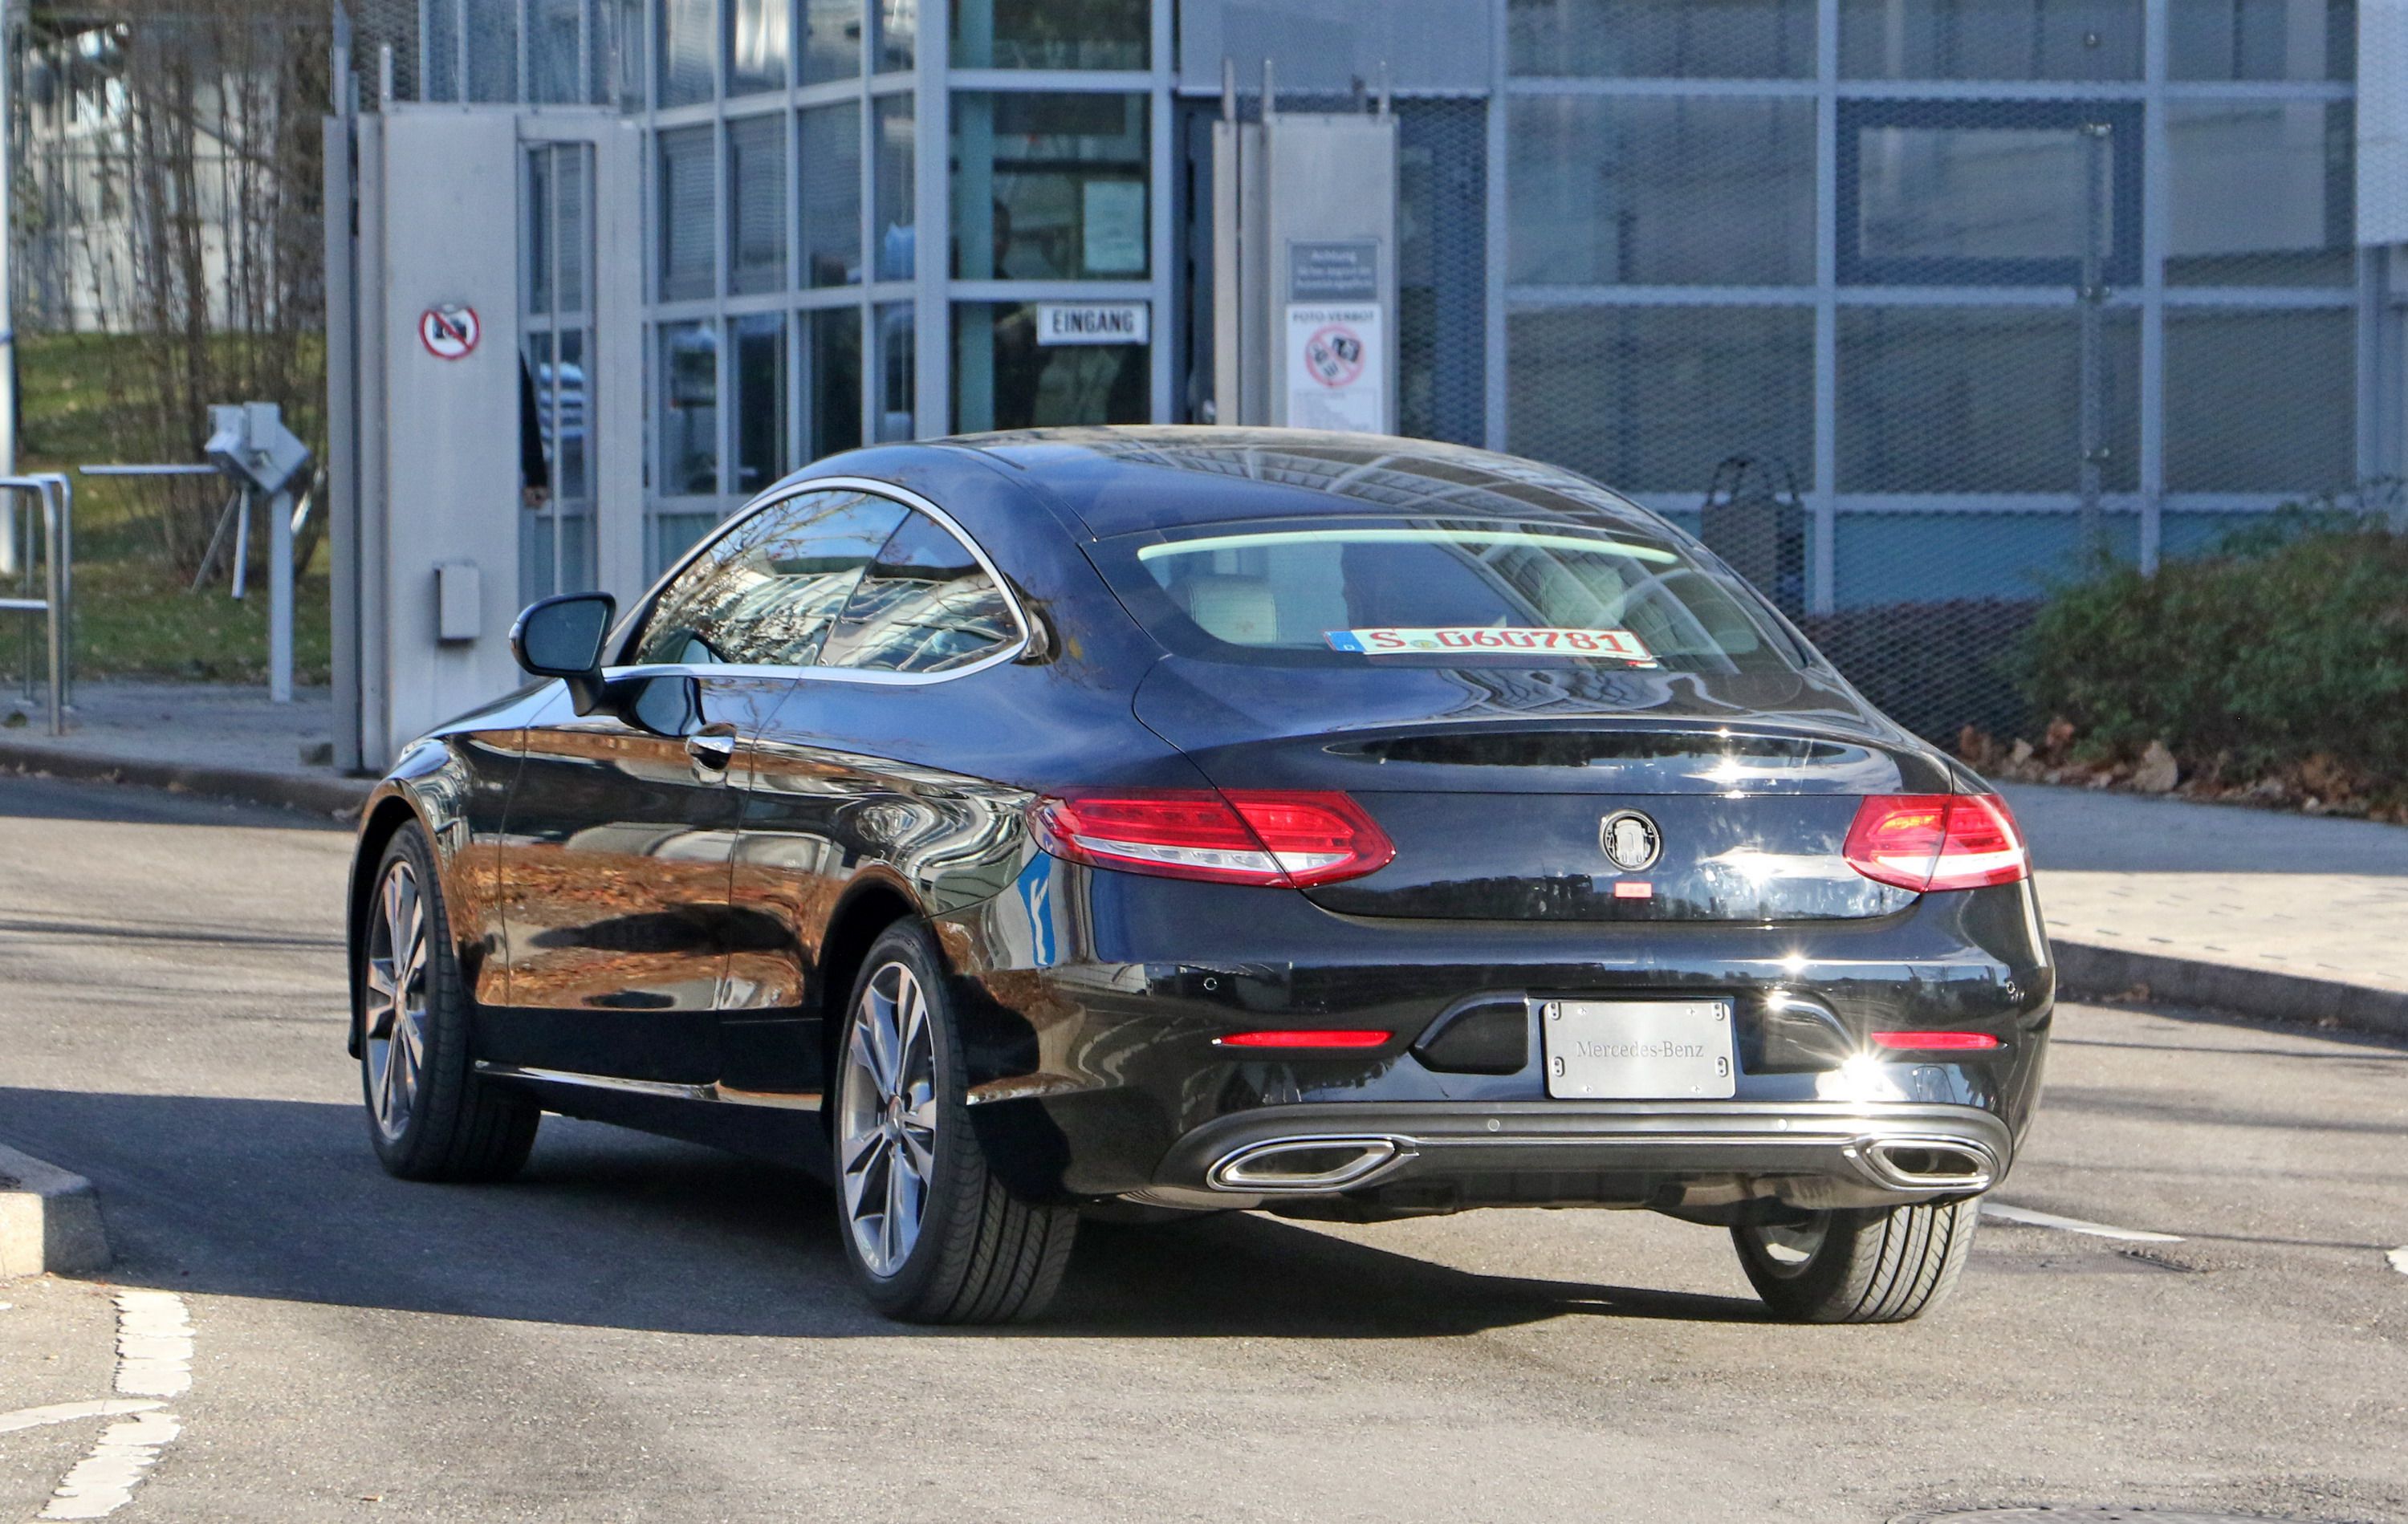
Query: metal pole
[[20, 532], [242, 547], [55, 589], [341, 169], [57, 485], [554, 439], [2093, 443], [8, 544], [279, 597]]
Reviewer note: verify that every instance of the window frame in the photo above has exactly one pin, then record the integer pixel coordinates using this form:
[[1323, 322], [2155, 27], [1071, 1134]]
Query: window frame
[[2122, 265], [624, 639]]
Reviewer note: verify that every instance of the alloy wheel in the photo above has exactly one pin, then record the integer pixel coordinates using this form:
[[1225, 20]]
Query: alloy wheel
[[1789, 1247], [396, 999], [886, 1118]]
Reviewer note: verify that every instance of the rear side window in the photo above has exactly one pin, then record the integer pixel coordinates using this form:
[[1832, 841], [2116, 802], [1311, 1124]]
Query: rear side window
[[767, 591], [1437, 592], [925, 605]]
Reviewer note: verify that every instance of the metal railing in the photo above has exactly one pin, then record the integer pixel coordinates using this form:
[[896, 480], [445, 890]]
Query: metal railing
[[284, 522], [54, 497]]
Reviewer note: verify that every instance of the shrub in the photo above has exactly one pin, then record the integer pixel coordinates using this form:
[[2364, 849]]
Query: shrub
[[2287, 651]]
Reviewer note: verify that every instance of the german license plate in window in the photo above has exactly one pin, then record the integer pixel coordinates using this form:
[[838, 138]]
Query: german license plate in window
[[1638, 1049]]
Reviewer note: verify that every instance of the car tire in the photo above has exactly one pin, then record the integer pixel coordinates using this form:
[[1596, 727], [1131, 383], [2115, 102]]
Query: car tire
[[932, 1235], [1859, 1265], [430, 1116]]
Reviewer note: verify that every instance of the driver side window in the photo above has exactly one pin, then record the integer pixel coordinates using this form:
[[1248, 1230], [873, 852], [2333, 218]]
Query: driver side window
[[767, 592]]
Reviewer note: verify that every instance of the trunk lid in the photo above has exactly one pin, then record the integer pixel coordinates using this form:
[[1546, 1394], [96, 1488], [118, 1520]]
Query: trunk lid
[[1500, 787]]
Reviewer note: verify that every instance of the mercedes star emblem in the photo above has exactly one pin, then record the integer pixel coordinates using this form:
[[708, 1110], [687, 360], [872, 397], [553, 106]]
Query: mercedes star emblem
[[1630, 840]]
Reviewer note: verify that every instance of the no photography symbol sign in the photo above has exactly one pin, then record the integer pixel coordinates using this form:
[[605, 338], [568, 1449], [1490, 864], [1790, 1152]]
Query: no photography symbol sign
[[1334, 355], [450, 332]]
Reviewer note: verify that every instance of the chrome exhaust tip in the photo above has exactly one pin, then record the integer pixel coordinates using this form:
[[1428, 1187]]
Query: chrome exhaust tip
[[1928, 1163], [1305, 1165]]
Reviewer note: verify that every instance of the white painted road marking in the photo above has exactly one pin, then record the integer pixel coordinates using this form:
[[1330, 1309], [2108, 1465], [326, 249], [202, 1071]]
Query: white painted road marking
[[2029, 1218], [106, 1407], [155, 1358], [154, 1345], [2399, 1259], [103, 1481]]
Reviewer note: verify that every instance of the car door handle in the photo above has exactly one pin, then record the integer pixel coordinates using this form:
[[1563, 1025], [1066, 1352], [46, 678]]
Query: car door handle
[[713, 751]]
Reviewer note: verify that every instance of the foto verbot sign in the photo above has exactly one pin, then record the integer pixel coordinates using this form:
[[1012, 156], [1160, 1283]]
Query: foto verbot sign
[[1336, 369], [449, 331]]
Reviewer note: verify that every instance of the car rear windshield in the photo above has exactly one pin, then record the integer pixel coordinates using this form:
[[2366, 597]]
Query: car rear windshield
[[1436, 593]]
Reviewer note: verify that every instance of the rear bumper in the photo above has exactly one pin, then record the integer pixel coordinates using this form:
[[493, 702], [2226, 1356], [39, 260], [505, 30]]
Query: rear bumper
[[1092, 1002], [1670, 1155]]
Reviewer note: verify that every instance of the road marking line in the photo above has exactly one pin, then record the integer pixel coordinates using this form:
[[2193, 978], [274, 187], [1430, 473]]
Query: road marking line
[[155, 1358], [104, 1481], [2399, 1259], [154, 1345], [2029, 1218], [106, 1407]]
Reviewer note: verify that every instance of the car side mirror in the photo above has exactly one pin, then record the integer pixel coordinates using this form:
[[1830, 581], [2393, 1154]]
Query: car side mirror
[[561, 638]]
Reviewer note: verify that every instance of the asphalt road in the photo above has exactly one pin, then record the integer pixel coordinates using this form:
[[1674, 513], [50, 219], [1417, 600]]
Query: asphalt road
[[643, 1330]]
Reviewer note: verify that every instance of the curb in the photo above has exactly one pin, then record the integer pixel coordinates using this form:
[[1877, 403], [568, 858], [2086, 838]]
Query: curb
[[2084, 971], [49, 1219], [337, 796]]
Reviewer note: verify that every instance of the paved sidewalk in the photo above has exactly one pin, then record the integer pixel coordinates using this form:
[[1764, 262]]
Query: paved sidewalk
[[2269, 913], [206, 738]]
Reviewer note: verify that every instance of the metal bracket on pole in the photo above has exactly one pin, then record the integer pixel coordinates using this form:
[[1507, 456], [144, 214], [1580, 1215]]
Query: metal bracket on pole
[[250, 443]]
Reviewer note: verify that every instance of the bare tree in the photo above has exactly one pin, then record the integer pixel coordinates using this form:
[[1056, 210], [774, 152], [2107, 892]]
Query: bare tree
[[208, 253]]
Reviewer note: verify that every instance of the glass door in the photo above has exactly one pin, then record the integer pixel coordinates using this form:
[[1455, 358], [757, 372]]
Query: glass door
[[556, 381]]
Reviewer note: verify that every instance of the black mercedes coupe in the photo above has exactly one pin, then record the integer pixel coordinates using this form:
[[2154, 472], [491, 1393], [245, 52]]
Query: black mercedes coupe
[[1149, 821]]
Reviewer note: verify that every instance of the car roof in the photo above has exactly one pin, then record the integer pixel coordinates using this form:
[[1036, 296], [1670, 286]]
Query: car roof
[[1120, 480]]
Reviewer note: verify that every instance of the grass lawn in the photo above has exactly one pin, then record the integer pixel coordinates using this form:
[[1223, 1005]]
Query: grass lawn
[[134, 615]]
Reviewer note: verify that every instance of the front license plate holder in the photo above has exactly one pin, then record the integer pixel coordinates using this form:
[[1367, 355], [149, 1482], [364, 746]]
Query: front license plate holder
[[1639, 1049]]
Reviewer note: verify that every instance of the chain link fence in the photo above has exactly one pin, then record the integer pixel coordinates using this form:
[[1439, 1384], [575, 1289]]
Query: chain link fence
[[1914, 345], [547, 53]]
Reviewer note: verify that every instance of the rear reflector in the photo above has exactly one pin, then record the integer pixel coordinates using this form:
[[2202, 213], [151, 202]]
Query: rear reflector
[[1344, 1038], [1937, 841], [1936, 1042], [1290, 840]]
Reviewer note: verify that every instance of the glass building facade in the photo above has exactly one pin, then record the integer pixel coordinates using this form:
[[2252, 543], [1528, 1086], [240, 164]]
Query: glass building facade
[[1858, 237], [1946, 273]]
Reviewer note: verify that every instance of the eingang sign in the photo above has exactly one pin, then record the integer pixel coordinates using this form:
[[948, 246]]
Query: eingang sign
[[1093, 322]]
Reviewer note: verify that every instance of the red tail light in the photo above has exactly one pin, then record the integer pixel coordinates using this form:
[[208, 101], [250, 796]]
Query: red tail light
[[1934, 841], [1340, 1038], [1289, 840], [1936, 1042]]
